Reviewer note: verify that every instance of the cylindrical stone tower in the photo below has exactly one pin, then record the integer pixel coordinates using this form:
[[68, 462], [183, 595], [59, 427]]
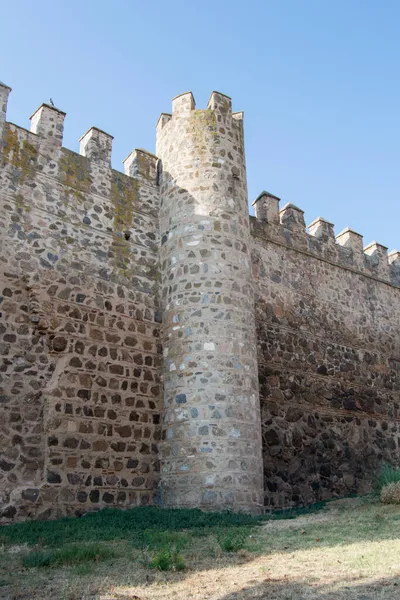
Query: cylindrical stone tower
[[211, 444]]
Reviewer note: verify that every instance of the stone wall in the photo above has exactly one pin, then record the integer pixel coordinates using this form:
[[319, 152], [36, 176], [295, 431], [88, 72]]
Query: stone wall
[[131, 307], [328, 321], [80, 378]]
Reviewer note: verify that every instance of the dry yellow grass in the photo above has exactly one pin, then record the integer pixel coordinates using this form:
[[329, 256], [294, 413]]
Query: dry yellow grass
[[350, 551], [390, 493]]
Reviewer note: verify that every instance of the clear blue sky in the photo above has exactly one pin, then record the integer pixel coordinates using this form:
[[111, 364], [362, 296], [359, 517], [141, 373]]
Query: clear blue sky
[[318, 81]]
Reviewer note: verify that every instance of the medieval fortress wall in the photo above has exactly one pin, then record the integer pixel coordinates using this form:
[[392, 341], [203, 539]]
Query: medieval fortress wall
[[328, 324], [160, 346], [80, 322]]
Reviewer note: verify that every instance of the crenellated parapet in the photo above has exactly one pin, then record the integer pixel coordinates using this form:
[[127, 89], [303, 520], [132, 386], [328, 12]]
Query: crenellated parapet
[[41, 149], [346, 249]]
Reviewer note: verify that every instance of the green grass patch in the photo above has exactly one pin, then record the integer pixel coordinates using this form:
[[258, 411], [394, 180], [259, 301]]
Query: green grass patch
[[115, 524], [387, 475], [67, 555]]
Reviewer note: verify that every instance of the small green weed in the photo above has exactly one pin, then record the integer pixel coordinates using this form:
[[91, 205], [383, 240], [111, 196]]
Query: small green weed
[[232, 541], [165, 547], [67, 555], [168, 560]]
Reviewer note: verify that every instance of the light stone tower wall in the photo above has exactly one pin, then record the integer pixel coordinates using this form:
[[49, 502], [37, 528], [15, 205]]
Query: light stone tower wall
[[211, 440]]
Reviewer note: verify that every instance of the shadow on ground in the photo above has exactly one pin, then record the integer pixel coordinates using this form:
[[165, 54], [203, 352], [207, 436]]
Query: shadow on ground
[[282, 589]]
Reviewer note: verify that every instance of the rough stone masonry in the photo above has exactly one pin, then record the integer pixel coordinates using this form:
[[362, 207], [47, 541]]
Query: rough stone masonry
[[160, 346]]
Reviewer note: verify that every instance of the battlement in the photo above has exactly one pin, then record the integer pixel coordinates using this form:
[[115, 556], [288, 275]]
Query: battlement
[[184, 105], [287, 226], [46, 137]]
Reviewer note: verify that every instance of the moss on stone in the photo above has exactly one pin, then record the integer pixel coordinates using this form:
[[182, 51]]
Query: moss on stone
[[203, 124], [144, 166], [74, 171], [21, 204], [124, 197], [22, 156]]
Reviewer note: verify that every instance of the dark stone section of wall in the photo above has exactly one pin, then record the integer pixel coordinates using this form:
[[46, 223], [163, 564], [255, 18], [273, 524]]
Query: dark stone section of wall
[[329, 374], [323, 438]]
